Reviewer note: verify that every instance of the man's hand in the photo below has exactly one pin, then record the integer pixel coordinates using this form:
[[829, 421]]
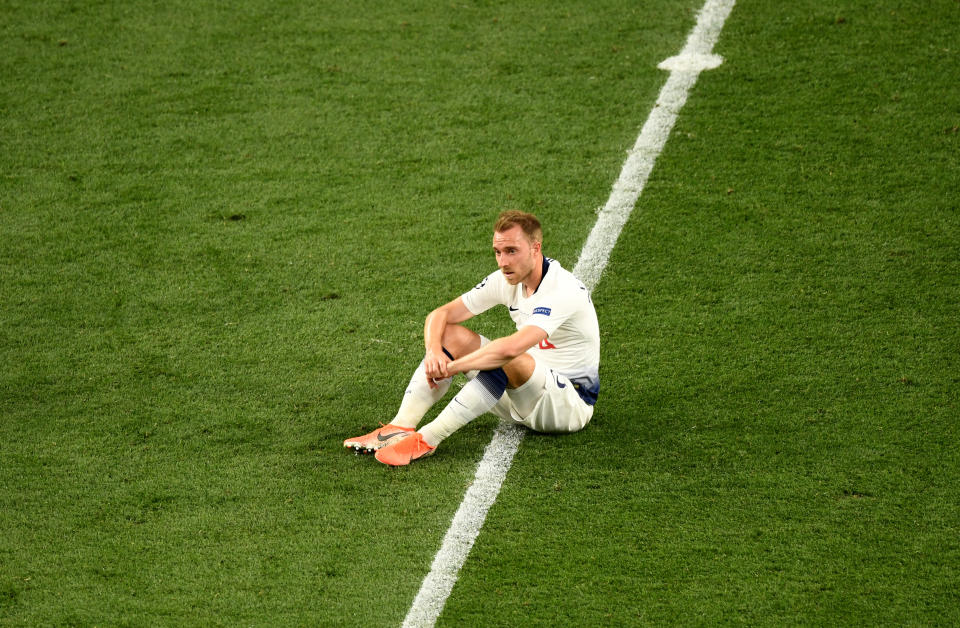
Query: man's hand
[[436, 366]]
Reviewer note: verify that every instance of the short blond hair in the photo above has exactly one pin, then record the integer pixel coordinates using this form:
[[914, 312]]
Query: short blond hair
[[528, 223]]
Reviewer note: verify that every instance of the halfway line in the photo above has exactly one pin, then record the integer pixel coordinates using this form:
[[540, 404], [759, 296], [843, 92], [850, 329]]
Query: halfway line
[[696, 56]]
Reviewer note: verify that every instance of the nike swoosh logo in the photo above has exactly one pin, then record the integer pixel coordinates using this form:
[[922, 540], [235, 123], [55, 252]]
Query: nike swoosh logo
[[557, 379], [512, 309], [381, 437]]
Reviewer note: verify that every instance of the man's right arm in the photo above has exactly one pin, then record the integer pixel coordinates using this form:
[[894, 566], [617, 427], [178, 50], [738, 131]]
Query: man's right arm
[[449, 314]]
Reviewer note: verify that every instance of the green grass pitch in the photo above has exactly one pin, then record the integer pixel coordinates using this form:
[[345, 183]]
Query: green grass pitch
[[221, 226]]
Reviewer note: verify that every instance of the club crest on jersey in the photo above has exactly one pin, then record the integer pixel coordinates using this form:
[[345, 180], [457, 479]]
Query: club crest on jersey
[[541, 310]]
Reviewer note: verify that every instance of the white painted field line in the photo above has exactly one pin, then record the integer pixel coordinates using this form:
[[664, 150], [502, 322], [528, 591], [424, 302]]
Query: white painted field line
[[696, 56]]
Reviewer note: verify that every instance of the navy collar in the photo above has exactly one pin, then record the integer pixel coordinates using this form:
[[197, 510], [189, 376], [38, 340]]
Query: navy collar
[[543, 273]]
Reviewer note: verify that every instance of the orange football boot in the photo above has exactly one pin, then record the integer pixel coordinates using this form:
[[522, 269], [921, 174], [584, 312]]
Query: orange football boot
[[405, 450], [380, 437]]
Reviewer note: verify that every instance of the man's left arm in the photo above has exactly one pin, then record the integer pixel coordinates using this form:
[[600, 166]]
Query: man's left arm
[[498, 352]]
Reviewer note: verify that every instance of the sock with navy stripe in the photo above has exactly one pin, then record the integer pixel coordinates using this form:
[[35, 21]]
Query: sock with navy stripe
[[477, 396]]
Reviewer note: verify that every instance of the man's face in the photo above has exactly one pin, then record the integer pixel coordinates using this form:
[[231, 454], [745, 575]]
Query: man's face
[[516, 255]]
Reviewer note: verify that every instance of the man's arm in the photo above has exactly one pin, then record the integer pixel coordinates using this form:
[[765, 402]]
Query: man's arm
[[435, 360], [498, 352]]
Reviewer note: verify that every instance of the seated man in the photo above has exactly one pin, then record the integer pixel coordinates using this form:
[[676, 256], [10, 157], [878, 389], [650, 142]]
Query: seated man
[[544, 376]]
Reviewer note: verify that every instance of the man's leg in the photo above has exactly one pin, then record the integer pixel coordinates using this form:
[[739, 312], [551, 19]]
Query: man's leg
[[478, 396], [419, 395]]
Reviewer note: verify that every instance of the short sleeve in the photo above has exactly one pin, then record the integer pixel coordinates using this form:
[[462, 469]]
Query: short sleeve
[[486, 294]]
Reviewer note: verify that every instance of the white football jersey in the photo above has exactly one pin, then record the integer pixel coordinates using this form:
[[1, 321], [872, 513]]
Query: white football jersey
[[561, 306]]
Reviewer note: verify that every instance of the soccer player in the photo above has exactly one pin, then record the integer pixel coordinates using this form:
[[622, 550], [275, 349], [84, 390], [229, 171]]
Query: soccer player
[[544, 376]]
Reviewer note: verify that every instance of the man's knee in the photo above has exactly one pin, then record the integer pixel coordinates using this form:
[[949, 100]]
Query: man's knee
[[459, 341], [519, 370]]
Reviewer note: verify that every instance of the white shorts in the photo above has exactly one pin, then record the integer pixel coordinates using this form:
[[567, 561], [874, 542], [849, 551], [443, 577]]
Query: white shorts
[[547, 402]]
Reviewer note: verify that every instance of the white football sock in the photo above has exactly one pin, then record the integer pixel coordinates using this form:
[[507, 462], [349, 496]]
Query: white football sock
[[477, 396], [418, 398]]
